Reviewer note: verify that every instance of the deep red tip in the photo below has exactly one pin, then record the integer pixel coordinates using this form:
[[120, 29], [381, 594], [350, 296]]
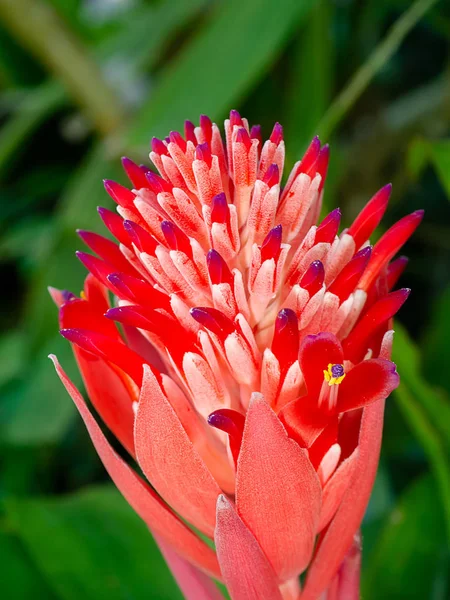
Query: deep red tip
[[272, 175], [218, 269], [203, 152], [313, 278], [159, 147], [206, 126], [140, 237], [243, 138], [370, 216], [176, 138], [157, 184], [214, 320], [277, 134], [235, 119], [285, 342], [175, 238], [271, 246], [232, 423], [255, 133], [348, 278], [189, 132], [219, 209], [120, 194], [327, 230]]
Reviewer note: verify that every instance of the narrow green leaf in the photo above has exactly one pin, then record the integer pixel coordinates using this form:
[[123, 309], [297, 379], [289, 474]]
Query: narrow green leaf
[[440, 153], [92, 545], [431, 442], [311, 79], [217, 68], [410, 561], [436, 343]]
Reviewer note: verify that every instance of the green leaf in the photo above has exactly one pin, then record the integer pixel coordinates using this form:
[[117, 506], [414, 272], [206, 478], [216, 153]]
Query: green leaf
[[440, 154], [436, 343], [20, 577], [422, 151], [92, 545], [219, 66], [410, 559]]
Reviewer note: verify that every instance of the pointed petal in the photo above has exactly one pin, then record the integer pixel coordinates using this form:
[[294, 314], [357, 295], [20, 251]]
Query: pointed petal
[[277, 491], [303, 420], [316, 352], [194, 584], [338, 538], [139, 495], [169, 460], [246, 571], [335, 488], [368, 382]]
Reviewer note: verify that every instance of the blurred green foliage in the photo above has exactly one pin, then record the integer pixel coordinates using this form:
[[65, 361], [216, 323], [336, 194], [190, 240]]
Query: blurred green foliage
[[83, 82]]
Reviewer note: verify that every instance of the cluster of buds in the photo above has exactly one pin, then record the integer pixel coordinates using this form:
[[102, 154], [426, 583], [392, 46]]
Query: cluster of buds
[[240, 353]]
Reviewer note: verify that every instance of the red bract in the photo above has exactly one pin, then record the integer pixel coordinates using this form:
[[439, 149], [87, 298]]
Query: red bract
[[249, 373]]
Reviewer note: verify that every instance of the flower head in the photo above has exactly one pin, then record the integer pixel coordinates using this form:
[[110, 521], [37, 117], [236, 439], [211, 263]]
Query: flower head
[[250, 369]]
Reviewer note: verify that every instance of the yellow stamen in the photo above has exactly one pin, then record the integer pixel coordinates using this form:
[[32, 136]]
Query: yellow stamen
[[330, 378]]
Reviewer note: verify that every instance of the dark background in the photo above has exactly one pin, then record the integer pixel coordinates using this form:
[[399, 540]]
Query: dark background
[[83, 82]]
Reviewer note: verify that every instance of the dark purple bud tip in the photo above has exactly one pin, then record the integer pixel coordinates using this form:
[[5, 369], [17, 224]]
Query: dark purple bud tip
[[176, 138], [313, 278], [219, 209], [175, 238], [272, 175], [231, 422], [272, 244], [189, 132], [214, 320], [255, 133], [277, 134], [68, 296], [235, 119], [206, 126], [157, 184], [218, 269], [159, 147]]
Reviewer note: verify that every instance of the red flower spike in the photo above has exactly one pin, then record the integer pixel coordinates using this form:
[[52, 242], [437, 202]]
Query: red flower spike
[[389, 245], [157, 184], [114, 223], [175, 238], [313, 278], [138, 291], [277, 134], [355, 345], [348, 278], [81, 313], [176, 138], [327, 230], [285, 343], [206, 127], [395, 270], [203, 152], [159, 147], [272, 176], [218, 269], [189, 132], [235, 119], [120, 194], [272, 244], [134, 173], [143, 241], [370, 216], [232, 423], [243, 137], [109, 349], [214, 320], [322, 164], [220, 213], [255, 134]]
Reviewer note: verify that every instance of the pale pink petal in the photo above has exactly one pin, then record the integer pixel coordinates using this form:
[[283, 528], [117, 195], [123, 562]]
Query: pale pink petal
[[277, 491], [338, 538], [139, 495], [246, 571], [169, 459]]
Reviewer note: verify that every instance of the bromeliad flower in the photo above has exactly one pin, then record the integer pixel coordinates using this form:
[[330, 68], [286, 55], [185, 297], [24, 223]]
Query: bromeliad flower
[[249, 373]]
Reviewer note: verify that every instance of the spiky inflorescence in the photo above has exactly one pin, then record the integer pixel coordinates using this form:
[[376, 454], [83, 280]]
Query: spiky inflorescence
[[225, 286]]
